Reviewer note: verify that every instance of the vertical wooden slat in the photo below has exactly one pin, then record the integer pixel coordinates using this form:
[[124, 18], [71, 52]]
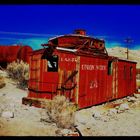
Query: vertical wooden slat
[[113, 82], [116, 79], [77, 78], [60, 80]]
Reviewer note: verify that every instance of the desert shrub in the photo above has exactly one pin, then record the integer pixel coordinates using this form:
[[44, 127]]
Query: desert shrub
[[19, 71], [138, 84], [2, 82], [61, 111]]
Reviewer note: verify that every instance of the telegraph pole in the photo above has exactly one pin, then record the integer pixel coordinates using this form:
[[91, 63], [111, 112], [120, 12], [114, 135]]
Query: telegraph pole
[[128, 41]]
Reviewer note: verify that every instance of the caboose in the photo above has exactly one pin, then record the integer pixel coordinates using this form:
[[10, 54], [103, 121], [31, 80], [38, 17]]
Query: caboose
[[79, 67]]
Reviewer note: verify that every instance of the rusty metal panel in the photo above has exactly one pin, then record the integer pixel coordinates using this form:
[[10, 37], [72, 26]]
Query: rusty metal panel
[[34, 72], [3, 54], [12, 53], [128, 84], [23, 53], [92, 81]]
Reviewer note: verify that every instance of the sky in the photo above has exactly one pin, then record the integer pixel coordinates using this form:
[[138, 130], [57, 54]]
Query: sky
[[34, 24]]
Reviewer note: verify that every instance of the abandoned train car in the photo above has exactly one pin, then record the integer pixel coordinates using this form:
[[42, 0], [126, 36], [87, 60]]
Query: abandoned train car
[[11, 53], [79, 67]]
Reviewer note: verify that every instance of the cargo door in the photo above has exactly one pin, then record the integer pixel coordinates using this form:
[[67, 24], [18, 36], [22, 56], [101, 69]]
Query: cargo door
[[49, 80], [109, 80], [115, 80], [130, 80], [34, 72]]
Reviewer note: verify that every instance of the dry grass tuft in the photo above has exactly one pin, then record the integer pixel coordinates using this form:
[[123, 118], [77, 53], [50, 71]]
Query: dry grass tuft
[[61, 111], [138, 84], [19, 71], [2, 82]]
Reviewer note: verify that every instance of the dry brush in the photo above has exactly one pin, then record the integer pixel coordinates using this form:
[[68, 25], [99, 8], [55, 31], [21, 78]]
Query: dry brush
[[19, 71], [2, 82], [61, 111]]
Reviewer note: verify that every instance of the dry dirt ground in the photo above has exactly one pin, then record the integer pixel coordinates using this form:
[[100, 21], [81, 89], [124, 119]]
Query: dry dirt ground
[[109, 119]]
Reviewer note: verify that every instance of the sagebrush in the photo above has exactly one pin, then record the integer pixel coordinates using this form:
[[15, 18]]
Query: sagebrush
[[61, 111], [19, 70], [2, 82], [138, 84]]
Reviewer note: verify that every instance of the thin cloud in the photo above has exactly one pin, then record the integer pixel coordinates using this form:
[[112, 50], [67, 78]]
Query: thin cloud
[[26, 34]]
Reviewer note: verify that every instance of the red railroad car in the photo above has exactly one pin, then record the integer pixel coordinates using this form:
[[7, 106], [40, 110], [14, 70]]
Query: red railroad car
[[78, 66], [9, 54]]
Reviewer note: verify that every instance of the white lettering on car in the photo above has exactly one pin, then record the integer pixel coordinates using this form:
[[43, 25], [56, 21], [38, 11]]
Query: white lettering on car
[[93, 67]]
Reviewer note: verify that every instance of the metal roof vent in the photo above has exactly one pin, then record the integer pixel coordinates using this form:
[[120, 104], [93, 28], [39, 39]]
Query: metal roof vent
[[80, 31]]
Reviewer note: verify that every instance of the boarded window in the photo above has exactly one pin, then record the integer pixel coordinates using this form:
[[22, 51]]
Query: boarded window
[[109, 67]]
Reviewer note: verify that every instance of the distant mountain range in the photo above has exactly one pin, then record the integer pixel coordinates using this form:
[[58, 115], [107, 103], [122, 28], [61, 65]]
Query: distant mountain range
[[121, 53]]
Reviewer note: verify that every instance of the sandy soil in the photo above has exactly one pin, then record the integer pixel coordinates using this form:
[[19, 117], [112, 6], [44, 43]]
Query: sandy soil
[[125, 123], [27, 120]]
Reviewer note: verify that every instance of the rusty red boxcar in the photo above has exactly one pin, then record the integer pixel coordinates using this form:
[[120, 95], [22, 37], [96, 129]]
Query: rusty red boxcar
[[79, 67], [11, 53]]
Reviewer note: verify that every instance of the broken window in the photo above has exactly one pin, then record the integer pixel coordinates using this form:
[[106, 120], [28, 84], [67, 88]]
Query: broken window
[[52, 64]]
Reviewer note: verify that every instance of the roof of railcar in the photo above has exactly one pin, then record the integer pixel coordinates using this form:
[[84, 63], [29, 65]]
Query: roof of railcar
[[127, 60], [76, 35]]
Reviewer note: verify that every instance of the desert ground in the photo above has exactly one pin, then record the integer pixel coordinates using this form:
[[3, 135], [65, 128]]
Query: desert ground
[[114, 118]]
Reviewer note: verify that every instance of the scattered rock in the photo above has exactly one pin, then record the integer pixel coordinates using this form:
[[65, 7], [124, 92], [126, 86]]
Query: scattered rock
[[122, 108], [8, 114], [88, 127], [112, 111], [105, 120], [97, 115], [131, 99], [120, 111], [137, 95], [65, 131]]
